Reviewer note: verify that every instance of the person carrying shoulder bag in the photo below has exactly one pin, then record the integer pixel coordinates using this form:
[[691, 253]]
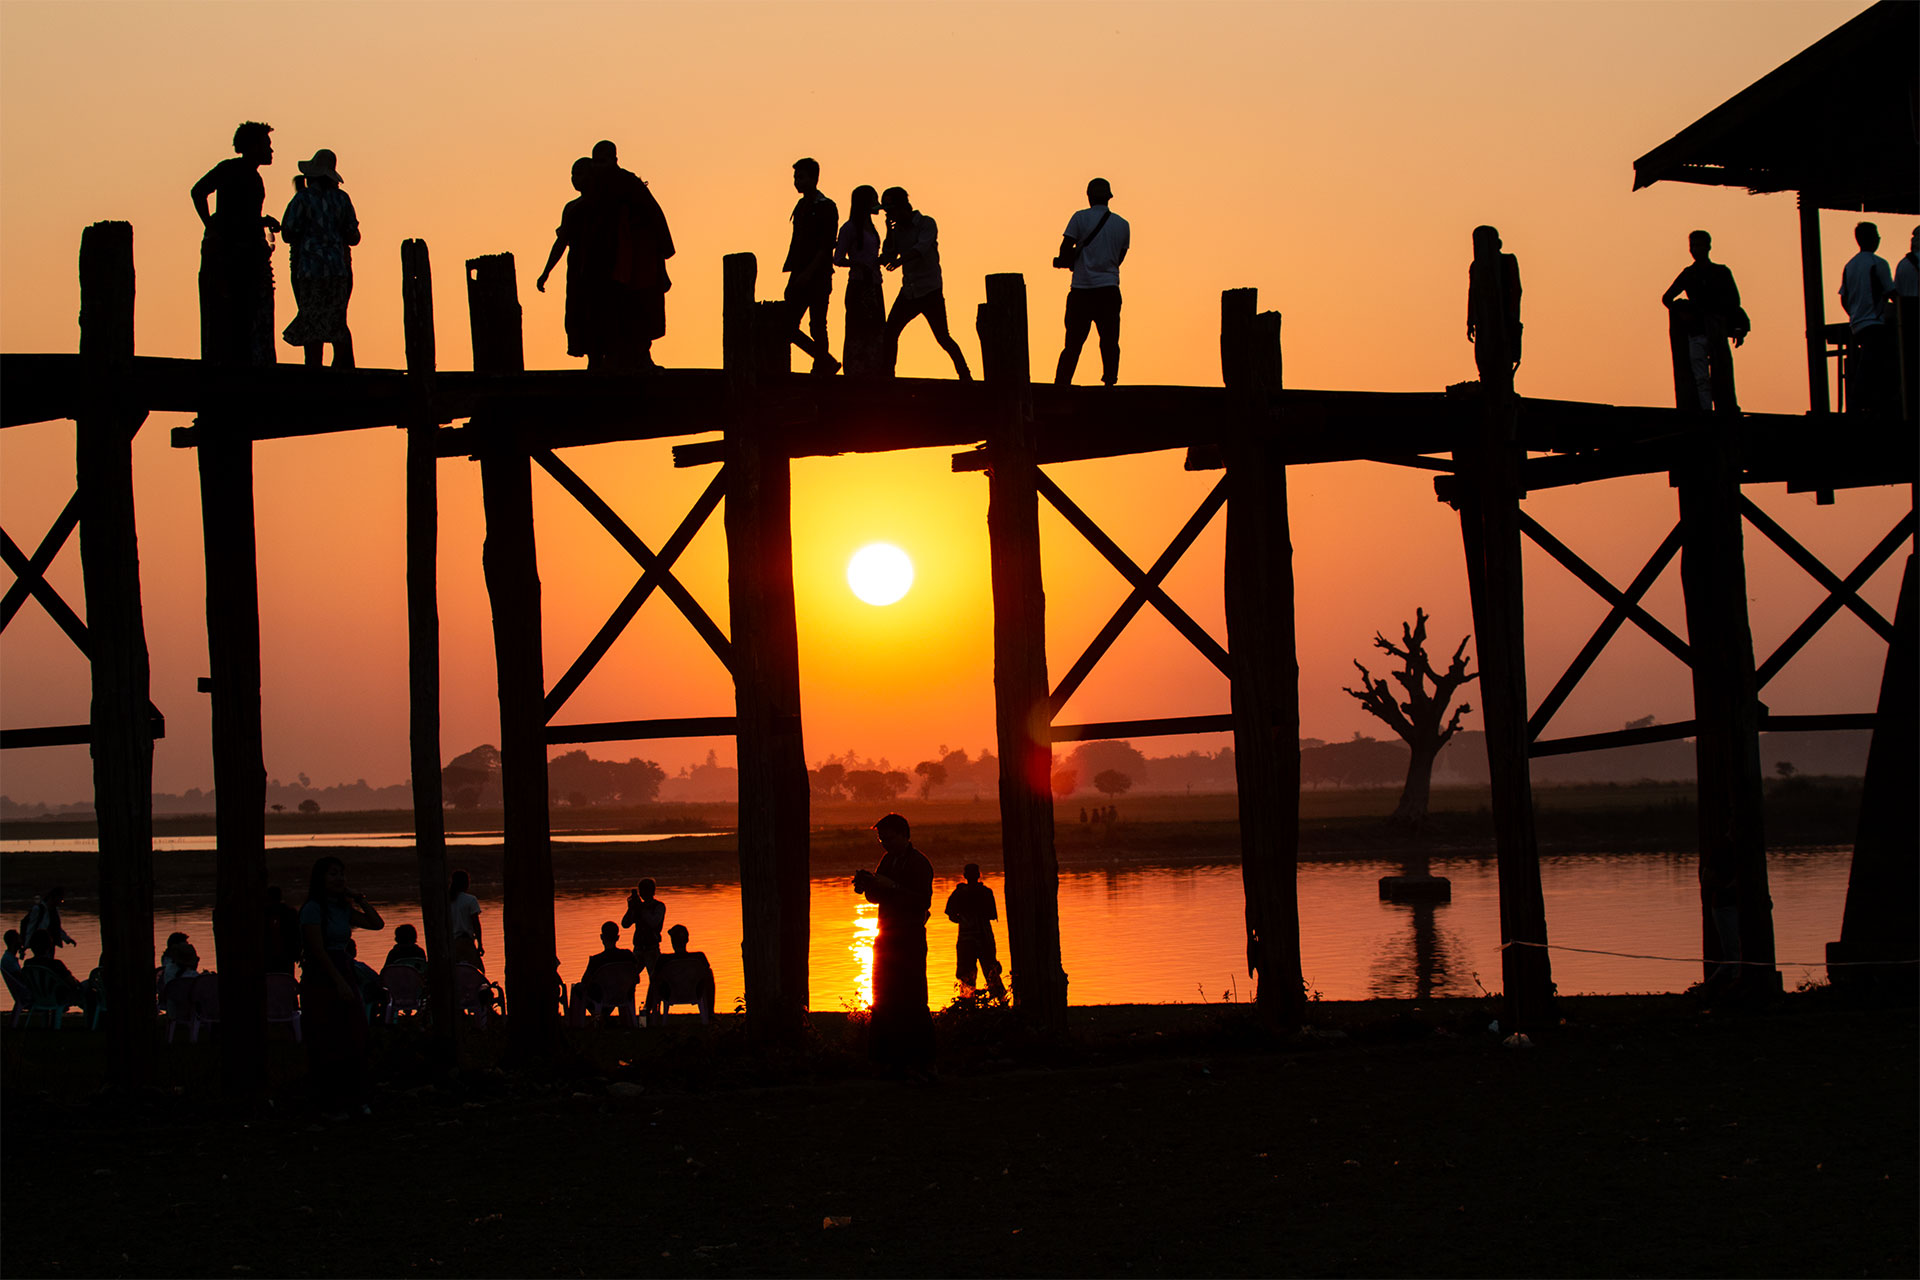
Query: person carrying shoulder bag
[[1093, 247]]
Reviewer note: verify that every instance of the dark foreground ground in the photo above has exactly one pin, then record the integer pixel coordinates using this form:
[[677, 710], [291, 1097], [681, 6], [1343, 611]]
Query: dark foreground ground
[[1647, 1136]]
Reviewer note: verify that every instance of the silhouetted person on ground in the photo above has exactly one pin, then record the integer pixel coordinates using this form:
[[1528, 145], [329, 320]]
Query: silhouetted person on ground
[[280, 945], [66, 987], [1493, 308], [44, 913], [809, 263], [10, 959], [463, 921], [610, 949], [913, 248], [971, 906], [321, 229], [648, 916], [236, 260], [1700, 326], [406, 949], [902, 886], [1093, 247], [682, 977], [178, 959], [858, 251], [333, 1016], [1866, 290]]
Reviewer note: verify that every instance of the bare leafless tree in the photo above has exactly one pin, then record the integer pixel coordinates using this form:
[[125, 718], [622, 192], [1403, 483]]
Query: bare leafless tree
[[1417, 709]]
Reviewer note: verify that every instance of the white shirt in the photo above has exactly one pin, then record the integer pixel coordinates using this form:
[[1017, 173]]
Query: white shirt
[[464, 915], [1098, 266], [1865, 283]]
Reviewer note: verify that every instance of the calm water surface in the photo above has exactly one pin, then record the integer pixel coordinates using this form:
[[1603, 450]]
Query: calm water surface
[[1160, 934]]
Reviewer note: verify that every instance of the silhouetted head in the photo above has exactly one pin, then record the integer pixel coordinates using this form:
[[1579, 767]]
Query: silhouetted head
[[1700, 245], [175, 940], [457, 884], [678, 937], [894, 832], [609, 934], [327, 880], [972, 872], [1099, 191], [41, 943], [253, 141], [1486, 242], [1913, 241], [13, 940], [894, 201], [406, 933], [646, 888], [582, 170], [806, 174], [605, 153], [867, 201], [1867, 236], [324, 167]]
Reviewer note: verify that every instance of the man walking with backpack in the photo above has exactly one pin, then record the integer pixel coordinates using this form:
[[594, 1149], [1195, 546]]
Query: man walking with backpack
[[1093, 246]]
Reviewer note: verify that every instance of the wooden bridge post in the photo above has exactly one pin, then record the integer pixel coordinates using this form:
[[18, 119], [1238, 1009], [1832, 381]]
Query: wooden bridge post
[[121, 720], [513, 586], [423, 644], [775, 906], [1814, 298], [1490, 533], [1726, 702], [1022, 710], [1265, 662]]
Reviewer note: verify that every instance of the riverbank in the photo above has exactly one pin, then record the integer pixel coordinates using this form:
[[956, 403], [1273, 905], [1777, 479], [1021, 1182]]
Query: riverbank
[[1149, 831], [1645, 1136]]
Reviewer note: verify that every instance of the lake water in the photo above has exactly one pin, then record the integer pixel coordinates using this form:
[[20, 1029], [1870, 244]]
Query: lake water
[[330, 840], [1174, 934]]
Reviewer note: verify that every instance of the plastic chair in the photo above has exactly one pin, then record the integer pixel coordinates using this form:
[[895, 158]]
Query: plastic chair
[[42, 988], [205, 1005], [612, 989], [283, 1002], [681, 978], [177, 1003], [473, 994], [406, 990]]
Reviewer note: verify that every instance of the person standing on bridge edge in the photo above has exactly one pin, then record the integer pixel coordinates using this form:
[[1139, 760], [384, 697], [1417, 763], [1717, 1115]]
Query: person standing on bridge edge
[[1699, 328], [1493, 307], [901, 1034], [858, 250], [1866, 291], [1093, 247], [971, 906], [809, 264], [236, 260], [617, 237], [913, 248], [321, 229]]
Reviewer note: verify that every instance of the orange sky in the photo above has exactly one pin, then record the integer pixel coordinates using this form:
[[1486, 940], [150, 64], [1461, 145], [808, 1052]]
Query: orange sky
[[1335, 156]]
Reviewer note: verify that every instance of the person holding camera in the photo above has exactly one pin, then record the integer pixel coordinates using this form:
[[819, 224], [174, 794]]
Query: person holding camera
[[333, 1017], [913, 249], [1093, 247], [901, 1033]]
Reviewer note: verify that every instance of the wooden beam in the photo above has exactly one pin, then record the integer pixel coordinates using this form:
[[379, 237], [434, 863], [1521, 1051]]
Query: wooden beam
[[1576, 743], [423, 645], [40, 589], [775, 901], [121, 728], [1020, 691], [639, 730], [1735, 907], [1158, 727], [513, 586], [1490, 524], [1265, 664], [1655, 629], [43, 556]]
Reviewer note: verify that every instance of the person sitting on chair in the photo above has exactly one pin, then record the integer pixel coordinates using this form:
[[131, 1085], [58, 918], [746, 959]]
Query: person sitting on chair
[[10, 960], [406, 949], [66, 987], [684, 977]]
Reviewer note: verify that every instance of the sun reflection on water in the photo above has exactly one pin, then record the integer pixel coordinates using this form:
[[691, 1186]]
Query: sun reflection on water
[[866, 927]]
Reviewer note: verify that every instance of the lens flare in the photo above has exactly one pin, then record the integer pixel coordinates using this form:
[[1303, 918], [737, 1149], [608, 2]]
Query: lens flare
[[880, 573]]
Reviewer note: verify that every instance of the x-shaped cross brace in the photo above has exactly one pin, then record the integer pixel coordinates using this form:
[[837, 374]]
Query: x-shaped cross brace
[[1839, 592]]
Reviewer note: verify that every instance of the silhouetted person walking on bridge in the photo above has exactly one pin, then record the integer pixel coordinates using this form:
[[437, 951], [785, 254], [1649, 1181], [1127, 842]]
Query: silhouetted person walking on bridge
[[971, 906], [816, 224], [913, 248], [1866, 290], [902, 886], [1699, 328], [1493, 308], [236, 260], [1093, 247], [321, 229], [858, 251], [641, 246]]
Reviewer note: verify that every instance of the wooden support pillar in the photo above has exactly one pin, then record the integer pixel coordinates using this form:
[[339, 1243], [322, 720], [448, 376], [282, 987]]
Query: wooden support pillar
[[1265, 662], [1880, 922], [1726, 708], [239, 768], [423, 644], [1813, 293], [513, 586], [1490, 532], [774, 849], [121, 720], [1022, 707]]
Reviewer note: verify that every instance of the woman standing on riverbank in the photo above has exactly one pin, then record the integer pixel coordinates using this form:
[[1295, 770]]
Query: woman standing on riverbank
[[334, 1020]]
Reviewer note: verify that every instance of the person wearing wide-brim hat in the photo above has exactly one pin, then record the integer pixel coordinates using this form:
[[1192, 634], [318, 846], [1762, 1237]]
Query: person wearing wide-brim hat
[[321, 229]]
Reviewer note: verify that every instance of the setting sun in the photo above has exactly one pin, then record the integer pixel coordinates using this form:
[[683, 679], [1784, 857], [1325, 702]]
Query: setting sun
[[880, 573]]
